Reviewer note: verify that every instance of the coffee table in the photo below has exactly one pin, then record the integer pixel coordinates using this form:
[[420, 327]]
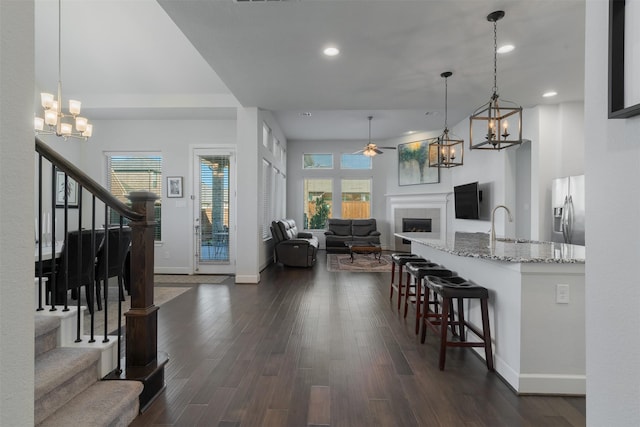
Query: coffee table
[[364, 248]]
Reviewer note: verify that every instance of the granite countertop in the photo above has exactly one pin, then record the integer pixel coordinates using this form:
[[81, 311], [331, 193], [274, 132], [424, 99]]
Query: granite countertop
[[477, 245]]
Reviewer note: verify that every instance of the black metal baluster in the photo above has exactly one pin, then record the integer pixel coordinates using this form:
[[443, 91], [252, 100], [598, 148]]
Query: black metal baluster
[[120, 297], [79, 269], [39, 234], [66, 247], [92, 288], [54, 285], [106, 273]]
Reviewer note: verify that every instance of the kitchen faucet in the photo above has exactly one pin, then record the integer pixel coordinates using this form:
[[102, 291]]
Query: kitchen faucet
[[493, 218]]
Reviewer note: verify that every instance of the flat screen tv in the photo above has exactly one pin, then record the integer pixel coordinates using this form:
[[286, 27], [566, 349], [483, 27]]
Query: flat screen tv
[[467, 201]]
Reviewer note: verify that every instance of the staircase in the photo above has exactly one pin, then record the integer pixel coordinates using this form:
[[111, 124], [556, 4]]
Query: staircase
[[68, 389], [69, 367]]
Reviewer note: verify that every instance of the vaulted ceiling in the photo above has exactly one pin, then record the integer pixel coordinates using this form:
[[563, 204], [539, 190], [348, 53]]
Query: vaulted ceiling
[[177, 59]]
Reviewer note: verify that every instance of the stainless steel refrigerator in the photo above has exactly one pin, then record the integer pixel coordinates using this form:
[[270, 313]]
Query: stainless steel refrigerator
[[567, 204]]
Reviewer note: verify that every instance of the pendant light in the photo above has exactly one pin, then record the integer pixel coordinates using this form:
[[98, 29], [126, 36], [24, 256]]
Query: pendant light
[[58, 122], [495, 125], [442, 152]]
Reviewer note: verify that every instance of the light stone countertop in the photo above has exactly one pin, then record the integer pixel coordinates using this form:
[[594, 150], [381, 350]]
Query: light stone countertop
[[477, 245]]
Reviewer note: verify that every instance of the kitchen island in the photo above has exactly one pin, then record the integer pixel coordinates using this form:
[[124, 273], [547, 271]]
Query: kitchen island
[[536, 305]]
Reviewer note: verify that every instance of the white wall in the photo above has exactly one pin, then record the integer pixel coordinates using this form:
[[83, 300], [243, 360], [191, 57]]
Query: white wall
[[16, 225], [266, 248], [612, 157], [171, 138]]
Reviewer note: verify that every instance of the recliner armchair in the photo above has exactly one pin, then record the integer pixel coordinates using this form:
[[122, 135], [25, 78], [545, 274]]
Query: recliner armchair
[[293, 248]]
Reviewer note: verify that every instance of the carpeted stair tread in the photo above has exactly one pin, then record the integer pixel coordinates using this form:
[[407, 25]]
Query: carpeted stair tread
[[46, 334], [60, 374], [105, 403], [45, 324]]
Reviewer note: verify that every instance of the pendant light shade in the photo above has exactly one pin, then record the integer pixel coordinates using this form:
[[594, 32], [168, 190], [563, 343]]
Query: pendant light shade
[[447, 150], [498, 123]]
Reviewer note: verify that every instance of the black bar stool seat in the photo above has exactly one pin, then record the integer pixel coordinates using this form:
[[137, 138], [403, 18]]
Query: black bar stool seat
[[449, 288], [400, 259], [413, 289]]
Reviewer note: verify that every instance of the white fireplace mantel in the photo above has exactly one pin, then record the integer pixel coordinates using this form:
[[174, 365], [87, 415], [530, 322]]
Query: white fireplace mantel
[[438, 201]]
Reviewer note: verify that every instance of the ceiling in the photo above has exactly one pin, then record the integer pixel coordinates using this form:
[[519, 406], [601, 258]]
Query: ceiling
[[177, 59]]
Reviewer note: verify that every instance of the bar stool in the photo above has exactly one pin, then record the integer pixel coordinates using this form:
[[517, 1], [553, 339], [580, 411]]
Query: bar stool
[[400, 259], [413, 289], [459, 289]]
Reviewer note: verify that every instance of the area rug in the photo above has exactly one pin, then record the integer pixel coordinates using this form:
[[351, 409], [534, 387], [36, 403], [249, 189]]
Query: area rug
[[161, 295], [361, 263], [203, 279]]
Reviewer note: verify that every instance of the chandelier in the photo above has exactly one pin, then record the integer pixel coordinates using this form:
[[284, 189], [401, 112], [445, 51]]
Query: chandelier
[[491, 120], [58, 122], [442, 152]]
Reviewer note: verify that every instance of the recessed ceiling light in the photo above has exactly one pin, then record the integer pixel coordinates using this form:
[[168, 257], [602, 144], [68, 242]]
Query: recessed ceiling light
[[506, 48], [550, 94], [410, 132], [305, 114], [331, 51]]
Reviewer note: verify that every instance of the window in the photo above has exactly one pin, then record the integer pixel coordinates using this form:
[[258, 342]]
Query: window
[[355, 161], [317, 202], [356, 198], [135, 172], [266, 136], [267, 200], [317, 161]]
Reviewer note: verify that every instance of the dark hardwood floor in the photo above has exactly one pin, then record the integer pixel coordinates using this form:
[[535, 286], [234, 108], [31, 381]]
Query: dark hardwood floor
[[307, 347]]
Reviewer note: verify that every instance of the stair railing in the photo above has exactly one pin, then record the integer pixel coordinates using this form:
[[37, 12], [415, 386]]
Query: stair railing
[[142, 361]]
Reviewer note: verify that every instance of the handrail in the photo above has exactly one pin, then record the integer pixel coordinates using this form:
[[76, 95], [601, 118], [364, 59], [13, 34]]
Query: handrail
[[86, 181]]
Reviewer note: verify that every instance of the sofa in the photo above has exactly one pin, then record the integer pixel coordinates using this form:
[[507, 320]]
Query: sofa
[[341, 231], [293, 248]]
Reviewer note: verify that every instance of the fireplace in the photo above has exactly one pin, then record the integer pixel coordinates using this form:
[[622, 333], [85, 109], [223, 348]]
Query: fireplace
[[415, 225]]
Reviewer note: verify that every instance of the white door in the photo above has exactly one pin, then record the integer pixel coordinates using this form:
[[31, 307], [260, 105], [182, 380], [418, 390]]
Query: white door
[[214, 211]]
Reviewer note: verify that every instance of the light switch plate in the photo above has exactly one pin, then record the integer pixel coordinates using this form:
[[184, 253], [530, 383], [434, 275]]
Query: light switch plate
[[562, 294]]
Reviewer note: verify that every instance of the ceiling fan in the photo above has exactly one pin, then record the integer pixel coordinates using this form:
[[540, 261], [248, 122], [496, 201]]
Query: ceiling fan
[[372, 149]]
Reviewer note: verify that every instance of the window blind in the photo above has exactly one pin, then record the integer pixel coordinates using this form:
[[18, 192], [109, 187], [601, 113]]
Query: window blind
[[135, 172]]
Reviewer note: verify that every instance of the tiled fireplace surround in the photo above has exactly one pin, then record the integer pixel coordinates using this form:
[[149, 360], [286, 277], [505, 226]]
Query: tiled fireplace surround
[[432, 205]]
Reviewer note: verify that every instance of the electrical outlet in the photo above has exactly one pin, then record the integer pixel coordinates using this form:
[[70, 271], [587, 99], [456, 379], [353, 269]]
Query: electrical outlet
[[562, 294]]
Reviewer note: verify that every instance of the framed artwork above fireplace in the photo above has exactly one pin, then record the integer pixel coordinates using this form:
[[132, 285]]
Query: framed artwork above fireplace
[[413, 164]]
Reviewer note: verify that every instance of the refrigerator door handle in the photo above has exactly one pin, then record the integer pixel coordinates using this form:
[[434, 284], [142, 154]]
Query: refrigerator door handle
[[570, 215], [563, 219]]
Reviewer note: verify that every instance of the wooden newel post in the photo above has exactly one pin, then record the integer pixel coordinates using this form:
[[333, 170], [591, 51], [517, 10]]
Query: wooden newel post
[[143, 361]]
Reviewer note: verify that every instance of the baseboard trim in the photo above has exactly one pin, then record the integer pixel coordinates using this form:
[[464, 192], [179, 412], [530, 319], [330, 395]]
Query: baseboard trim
[[553, 384], [248, 278], [172, 270]]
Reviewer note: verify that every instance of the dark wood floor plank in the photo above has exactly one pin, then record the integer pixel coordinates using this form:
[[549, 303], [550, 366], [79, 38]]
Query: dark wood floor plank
[[310, 347], [275, 418], [319, 412], [216, 406], [382, 413], [190, 416]]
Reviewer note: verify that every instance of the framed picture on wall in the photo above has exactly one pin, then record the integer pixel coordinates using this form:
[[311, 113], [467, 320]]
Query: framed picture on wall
[[70, 189], [413, 164], [624, 59], [174, 186]]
